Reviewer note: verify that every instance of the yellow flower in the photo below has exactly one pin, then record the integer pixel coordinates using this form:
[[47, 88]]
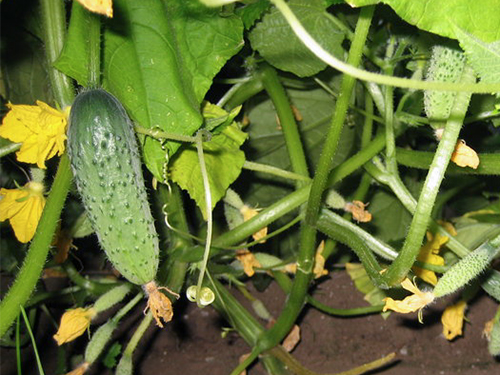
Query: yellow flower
[[319, 263], [464, 156], [23, 207], [40, 128], [453, 320], [248, 261], [417, 301], [104, 7], [248, 213], [73, 323], [428, 254]]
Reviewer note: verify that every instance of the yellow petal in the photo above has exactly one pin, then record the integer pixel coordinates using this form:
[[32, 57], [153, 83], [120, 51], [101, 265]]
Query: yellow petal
[[248, 213], [74, 323], [319, 262], [464, 156], [417, 301], [80, 370], [453, 320], [23, 207], [428, 254], [104, 7], [248, 261], [41, 129]]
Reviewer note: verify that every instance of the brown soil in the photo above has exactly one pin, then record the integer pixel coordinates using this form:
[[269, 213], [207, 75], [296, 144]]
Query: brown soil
[[192, 343]]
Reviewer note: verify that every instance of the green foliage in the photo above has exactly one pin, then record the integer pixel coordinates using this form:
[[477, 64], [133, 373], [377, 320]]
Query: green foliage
[[168, 60], [223, 159], [111, 357], [277, 43], [438, 17], [484, 57]]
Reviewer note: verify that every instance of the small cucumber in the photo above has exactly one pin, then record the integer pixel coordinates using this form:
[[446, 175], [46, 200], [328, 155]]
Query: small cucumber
[[107, 168]]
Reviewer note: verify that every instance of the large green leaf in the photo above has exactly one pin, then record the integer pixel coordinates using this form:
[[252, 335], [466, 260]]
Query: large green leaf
[[223, 159], [477, 17], [74, 58], [160, 59], [277, 43], [484, 57], [24, 72]]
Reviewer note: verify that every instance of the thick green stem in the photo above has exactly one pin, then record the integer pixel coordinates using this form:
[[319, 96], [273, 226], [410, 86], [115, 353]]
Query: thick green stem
[[54, 30], [33, 264], [305, 258], [94, 34], [241, 93], [290, 128], [489, 163], [403, 263]]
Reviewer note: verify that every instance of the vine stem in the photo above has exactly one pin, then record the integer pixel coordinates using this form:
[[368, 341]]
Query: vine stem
[[33, 263], [421, 218], [283, 108], [208, 211], [54, 31], [53, 16], [305, 258], [364, 75]]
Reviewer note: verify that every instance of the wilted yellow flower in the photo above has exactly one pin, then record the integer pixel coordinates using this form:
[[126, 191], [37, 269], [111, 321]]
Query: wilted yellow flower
[[464, 156], [417, 301], [104, 7], [23, 207], [357, 208], [40, 128], [319, 263], [428, 254], [73, 323], [248, 261], [80, 370], [453, 320], [159, 304], [248, 213]]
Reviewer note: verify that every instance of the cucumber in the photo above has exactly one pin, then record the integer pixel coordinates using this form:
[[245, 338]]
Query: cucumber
[[105, 160]]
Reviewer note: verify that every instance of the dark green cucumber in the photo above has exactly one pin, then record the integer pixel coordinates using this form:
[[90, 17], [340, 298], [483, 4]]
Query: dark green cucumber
[[107, 168]]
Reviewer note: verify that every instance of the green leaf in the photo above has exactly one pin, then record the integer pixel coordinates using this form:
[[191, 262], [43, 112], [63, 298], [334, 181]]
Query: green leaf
[[277, 43], [484, 57], [223, 159], [477, 17], [24, 76], [112, 354], [73, 60], [390, 217], [160, 60], [373, 295], [266, 144], [252, 12]]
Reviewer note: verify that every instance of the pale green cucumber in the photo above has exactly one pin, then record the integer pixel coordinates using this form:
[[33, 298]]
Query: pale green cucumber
[[107, 168]]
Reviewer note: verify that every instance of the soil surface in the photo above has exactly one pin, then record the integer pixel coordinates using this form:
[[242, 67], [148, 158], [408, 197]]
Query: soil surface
[[192, 343]]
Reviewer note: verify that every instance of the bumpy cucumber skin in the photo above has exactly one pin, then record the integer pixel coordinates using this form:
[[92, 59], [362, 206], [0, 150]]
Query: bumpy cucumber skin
[[105, 159]]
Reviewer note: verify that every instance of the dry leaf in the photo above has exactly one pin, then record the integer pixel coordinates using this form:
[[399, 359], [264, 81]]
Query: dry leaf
[[464, 156], [292, 339]]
